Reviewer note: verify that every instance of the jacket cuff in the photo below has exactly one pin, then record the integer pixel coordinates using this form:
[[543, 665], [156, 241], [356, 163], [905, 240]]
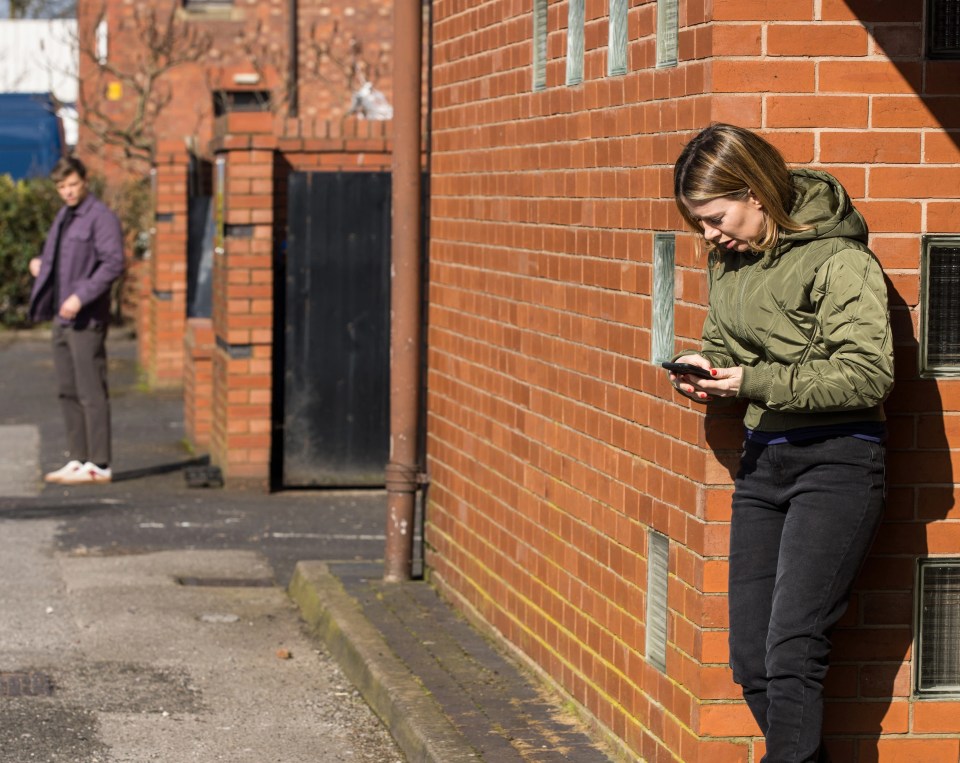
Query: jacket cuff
[[756, 382]]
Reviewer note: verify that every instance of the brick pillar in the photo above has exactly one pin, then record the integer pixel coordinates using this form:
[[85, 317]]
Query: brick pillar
[[198, 381], [164, 308], [243, 299]]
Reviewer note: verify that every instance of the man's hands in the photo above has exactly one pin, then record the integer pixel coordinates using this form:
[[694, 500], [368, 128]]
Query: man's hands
[[724, 382], [70, 307]]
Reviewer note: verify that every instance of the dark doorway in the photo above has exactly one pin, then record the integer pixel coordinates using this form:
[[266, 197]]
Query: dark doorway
[[336, 385], [200, 229]]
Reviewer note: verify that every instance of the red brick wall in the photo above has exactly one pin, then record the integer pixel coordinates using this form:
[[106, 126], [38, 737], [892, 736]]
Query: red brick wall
[[198, 382], [553, 442], [164, 305]]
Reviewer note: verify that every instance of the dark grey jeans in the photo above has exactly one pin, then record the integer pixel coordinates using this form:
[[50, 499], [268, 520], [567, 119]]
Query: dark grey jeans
[[804, 517], [80, 360]]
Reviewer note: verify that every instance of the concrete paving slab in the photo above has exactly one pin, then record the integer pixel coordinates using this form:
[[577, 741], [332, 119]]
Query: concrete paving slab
[[19, 460], [232, 676], [143, 668]]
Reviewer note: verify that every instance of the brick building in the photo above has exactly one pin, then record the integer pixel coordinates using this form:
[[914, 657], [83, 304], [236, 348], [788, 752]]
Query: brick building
[[230, 117], [214, 56], [577, 505]]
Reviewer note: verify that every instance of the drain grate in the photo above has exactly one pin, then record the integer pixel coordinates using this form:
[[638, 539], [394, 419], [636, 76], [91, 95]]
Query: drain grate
[[227, 582], [29, 684]]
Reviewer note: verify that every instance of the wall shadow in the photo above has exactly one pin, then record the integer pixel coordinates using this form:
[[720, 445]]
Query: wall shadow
[[873, 649], [900, 29], [870, 680]]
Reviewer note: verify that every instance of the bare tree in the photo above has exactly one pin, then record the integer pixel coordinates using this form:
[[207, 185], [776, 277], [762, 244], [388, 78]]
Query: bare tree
[[163, 42], [336, 59], [267, 61], [345, 55]]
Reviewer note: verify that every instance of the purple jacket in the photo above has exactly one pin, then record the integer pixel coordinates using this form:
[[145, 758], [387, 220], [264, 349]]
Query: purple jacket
[[91, 259]]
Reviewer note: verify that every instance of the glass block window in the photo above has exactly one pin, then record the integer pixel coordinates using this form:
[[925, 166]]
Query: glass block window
[[668, 30], [940, 306], [539, 44], [943, 28], [658, 573], [664, 248], [575, 22], [617, 42], [937, 635]]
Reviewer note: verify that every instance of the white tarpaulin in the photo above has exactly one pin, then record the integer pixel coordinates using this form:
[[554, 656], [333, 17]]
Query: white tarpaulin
[[40, 56]]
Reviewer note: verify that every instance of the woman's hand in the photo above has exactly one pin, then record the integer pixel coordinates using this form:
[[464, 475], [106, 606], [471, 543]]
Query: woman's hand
[[724, 382], [687, 384]]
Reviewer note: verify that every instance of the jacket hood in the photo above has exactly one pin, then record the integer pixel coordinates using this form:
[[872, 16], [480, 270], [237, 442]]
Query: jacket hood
[[823, 204]]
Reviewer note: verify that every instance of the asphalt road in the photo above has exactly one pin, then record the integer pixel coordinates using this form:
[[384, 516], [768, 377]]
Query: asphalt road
[[147, 621]]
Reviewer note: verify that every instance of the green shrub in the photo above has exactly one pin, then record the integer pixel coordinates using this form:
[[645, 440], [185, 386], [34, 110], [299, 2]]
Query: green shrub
[[133, 203], [27, 209]]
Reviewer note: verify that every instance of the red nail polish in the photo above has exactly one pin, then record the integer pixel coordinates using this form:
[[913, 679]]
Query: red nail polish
[[713, 371]]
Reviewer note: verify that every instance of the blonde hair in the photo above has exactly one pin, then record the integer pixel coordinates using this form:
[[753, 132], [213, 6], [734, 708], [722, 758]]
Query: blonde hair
[[725, 161]]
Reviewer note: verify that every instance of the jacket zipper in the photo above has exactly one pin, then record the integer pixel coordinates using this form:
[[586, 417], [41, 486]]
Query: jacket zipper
[[741, 279]]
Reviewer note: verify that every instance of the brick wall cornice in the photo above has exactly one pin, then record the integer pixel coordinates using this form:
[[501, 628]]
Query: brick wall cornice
[[239, 131]]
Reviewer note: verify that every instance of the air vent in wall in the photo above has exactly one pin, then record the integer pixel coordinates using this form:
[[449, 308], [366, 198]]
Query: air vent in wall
[[943, 29], [937, 670], [940, 306]]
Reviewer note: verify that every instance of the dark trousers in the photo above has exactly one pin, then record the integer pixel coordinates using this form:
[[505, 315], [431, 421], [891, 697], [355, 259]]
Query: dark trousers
[[80, 360], [804, 517]]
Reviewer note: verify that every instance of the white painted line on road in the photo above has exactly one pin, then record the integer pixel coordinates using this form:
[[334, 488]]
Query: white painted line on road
[[325, 536], [278, 535]]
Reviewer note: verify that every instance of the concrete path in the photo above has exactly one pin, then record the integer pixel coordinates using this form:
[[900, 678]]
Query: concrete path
[[19, 460], [116, 659], [142, 621], [148, 621]]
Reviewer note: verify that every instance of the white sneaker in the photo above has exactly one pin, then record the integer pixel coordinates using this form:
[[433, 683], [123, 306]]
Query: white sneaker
[[63, 471], [88, 473]]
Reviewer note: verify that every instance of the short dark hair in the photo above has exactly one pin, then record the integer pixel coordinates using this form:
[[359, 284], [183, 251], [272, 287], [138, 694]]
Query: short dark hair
[[67, 166]]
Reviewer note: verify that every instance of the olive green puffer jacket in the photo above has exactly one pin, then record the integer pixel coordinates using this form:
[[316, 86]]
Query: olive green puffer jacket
[[808, 320]]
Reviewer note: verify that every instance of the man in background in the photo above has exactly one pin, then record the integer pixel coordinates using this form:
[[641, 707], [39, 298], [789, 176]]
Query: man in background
[[81, 258]]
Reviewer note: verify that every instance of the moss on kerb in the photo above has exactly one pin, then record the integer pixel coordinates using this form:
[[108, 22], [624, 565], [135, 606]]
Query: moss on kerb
[[418, 725]]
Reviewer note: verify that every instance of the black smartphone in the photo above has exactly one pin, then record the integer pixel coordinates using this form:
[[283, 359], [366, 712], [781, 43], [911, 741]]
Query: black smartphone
[[687, 368]]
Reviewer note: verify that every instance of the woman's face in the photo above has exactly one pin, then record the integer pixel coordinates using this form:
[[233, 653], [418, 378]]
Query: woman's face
[[729, 223]]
